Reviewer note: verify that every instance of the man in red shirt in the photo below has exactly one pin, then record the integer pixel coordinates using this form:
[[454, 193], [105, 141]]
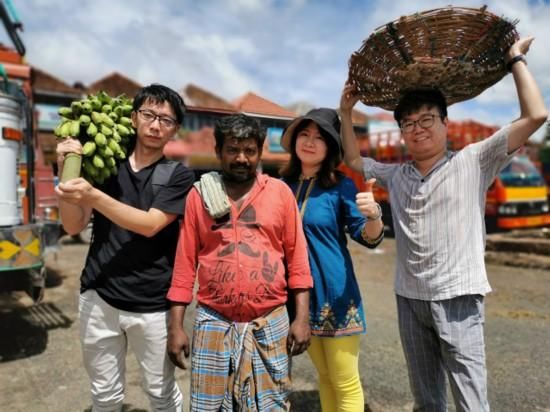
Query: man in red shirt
[[247, 255]]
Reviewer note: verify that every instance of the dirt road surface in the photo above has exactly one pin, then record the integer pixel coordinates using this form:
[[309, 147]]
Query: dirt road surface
[[41, 369]]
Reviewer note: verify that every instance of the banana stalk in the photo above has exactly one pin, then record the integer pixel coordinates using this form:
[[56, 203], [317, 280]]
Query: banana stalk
[[71, 166]]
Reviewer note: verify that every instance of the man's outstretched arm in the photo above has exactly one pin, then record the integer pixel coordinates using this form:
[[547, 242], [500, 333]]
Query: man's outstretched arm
[[80, 193], [533, 111]]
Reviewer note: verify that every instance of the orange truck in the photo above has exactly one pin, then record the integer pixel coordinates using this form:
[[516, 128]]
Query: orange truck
[[29, 225], [544, 158], [517, 199]]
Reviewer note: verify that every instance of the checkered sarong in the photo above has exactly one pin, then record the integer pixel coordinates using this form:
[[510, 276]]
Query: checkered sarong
[[240, 366]]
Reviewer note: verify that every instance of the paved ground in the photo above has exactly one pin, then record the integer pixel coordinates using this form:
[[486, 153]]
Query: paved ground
[[40, 366]]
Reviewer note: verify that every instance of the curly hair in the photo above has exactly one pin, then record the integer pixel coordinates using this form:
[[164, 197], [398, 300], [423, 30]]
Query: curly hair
[[240, 127]]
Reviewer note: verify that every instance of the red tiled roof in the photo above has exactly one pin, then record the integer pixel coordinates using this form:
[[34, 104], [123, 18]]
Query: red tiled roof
[[115, 84], [44, 81], [198, 98], [300, 108], [253, 104], [358, 117], [472, 124], [385, 116], [201, 141], [201, 148], [176, 149]]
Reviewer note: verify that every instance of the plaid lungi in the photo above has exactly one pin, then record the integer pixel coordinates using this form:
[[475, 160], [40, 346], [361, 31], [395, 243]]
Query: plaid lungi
[[240, 366]]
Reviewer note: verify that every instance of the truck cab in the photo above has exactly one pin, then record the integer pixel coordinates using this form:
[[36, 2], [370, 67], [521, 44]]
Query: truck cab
[[28, 225], [518, 197]]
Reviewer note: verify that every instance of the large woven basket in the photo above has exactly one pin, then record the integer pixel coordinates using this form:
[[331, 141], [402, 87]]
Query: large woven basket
[[458, 50]]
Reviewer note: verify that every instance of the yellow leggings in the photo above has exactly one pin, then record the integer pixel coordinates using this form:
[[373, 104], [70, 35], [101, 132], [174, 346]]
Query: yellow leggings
[[337, 363]]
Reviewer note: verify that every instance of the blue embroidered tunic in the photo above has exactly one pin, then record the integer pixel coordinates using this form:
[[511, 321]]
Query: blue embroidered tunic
[[336, 308]]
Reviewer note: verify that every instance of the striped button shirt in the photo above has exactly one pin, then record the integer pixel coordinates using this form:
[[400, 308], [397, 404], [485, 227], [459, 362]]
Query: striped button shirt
[[439, 219]]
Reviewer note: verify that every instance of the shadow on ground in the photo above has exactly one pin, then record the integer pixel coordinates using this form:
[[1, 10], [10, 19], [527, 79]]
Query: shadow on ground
[[305, 401], [24, 330], [125, 408], [308, 401], [53, 278]]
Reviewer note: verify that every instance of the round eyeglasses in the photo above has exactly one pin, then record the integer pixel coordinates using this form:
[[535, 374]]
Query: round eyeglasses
[[425, 121], [149, 117]]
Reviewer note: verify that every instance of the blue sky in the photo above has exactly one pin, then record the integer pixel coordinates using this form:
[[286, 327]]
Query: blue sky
[[286, 51]]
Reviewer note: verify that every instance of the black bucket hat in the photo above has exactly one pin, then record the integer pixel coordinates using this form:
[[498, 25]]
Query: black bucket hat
[[326, 119]]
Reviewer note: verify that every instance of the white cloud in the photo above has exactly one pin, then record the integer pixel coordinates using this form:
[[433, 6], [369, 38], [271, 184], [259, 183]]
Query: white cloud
[[248, 6], [284, 50]]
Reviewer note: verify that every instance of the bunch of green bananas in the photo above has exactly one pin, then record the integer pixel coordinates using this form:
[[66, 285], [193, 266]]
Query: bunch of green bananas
[[103, 126]]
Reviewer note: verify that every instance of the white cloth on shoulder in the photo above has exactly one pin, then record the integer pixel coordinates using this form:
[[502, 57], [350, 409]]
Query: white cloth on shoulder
[[214, 196]]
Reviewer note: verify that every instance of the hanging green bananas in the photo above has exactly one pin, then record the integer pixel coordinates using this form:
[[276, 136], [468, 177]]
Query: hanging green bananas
[[84, 119], [88, 148], [106, 130], [105, 152], [91, 130], [100, 139], [125, 121], [105, 119], [67, 112], [103, 125], [74, 129]]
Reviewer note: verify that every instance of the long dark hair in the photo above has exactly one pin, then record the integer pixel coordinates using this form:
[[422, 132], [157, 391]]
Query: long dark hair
[[327, 176]]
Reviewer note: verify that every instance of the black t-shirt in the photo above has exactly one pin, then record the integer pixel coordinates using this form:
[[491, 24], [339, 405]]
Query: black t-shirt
[[129, 271]]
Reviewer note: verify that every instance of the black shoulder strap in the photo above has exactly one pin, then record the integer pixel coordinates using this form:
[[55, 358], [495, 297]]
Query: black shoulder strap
[[162, 174]]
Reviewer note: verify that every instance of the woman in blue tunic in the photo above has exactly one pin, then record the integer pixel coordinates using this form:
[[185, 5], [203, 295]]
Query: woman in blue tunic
[[327, 203]]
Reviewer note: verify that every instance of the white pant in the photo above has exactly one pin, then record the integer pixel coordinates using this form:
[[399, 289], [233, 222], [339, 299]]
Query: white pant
[[105, 333]]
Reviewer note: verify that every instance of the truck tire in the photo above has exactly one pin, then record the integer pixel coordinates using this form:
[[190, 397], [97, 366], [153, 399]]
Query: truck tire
[[38, 284]]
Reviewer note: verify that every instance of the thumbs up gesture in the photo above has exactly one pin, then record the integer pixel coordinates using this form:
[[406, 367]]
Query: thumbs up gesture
[[366, 203]]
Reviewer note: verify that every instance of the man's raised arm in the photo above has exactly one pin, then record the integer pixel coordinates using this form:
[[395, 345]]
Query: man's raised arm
[[533, 111]]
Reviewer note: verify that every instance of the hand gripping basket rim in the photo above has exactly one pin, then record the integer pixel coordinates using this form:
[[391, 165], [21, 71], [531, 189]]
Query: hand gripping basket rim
[[457, 50]]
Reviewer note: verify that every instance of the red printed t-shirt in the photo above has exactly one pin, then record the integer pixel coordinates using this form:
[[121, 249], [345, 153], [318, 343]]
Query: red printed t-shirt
[[240, 258]]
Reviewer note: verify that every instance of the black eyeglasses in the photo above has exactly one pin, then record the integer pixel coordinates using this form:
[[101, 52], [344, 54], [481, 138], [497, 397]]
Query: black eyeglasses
[[425, 121], [149, 117]]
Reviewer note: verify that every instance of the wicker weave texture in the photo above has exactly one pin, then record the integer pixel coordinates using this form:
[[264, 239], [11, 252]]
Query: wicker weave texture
[[455, 49]]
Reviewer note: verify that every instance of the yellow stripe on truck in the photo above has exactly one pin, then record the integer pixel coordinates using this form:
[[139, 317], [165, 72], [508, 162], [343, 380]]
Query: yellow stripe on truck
[[524, 194], [8, 249], [34, 247]]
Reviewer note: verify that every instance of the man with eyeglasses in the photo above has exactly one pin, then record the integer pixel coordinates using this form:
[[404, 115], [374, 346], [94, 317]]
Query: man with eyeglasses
[[438, 205], [129, 264]]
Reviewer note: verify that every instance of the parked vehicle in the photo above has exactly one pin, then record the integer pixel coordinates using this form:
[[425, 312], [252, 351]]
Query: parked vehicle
[[544, 158], [29, 224]]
